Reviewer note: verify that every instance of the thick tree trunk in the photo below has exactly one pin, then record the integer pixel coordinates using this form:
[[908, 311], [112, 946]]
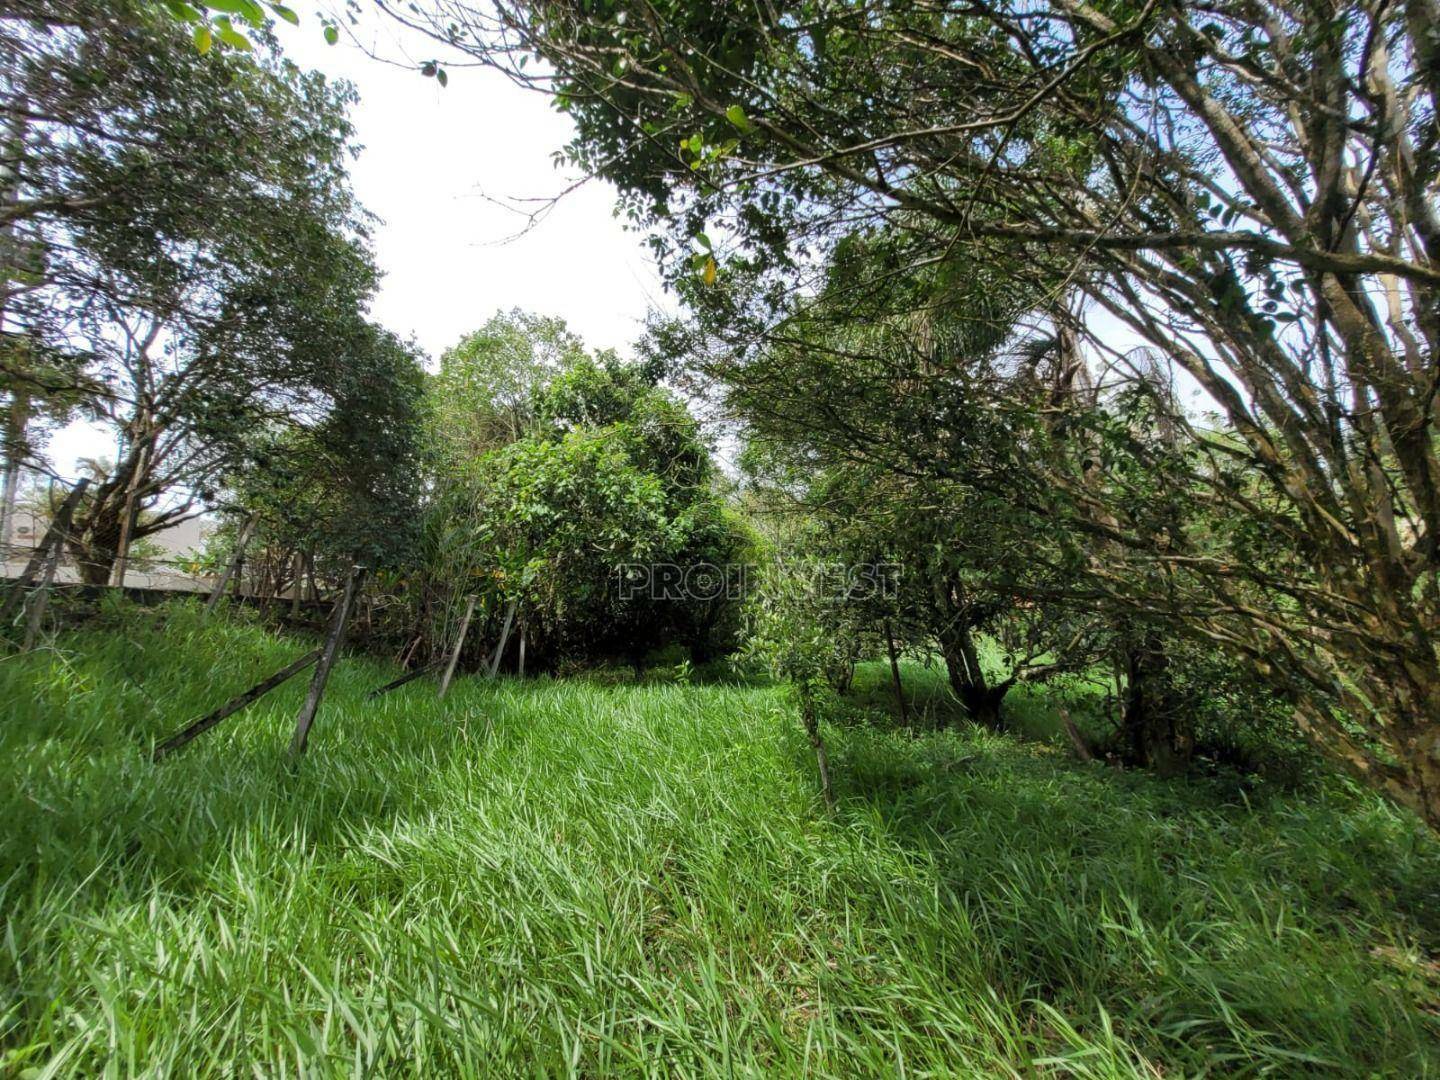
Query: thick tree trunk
[[1151, 720], [980, 700], [129, 515], [95, 546]]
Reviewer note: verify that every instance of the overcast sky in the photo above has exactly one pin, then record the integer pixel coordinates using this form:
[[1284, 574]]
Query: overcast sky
[[430, 157]]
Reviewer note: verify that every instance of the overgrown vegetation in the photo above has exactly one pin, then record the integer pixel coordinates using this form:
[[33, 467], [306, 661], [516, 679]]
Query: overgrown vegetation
[[1080, 366], [596, 876]]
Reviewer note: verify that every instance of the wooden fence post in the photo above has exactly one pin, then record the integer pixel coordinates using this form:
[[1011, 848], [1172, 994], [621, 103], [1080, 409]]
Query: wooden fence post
[[54, 536], [504, 637], [234, 705], [459, 644], [38, 600], [395, 684], [297, 564], [233, 565], [336, 634]]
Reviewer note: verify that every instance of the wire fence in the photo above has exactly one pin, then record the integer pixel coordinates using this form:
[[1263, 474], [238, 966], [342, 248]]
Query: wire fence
[[30, 525]]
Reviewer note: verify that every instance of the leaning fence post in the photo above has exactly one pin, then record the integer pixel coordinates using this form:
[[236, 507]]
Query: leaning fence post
[[459, 644], [233, 565], [306, 716], [54, 535], [38, 600], [395, 684], [234, 705], [504, 637]]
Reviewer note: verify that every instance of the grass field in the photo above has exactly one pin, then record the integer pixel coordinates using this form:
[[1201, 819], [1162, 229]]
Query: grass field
[[552, 877]]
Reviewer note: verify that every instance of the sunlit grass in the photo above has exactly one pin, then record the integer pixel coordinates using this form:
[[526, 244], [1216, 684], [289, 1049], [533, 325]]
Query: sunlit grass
[[572, 877]]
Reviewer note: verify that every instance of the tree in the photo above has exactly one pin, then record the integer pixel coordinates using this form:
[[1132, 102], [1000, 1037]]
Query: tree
[[45, 388], [607, 471], [346, 488], [184, 223], [482, 396], [1247, 188]]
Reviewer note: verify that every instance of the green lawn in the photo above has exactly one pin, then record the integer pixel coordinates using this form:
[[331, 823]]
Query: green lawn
[[553, 877]]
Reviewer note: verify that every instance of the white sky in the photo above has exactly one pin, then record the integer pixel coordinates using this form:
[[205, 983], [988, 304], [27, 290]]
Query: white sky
[[429, 156]]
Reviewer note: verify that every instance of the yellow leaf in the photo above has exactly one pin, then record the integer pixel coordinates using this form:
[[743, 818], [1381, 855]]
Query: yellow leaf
[[203, 39], [710, 271]]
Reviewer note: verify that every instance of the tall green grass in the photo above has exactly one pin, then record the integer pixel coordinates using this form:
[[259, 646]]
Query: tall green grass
[[564, 877]]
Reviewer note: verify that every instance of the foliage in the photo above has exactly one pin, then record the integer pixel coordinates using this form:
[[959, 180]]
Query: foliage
[[555, 470], [482, 396], [1240, 188], [185, 227], [346, 488]]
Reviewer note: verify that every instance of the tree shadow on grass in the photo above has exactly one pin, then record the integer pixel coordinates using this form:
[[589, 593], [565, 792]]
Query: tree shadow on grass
[[1214, 933]]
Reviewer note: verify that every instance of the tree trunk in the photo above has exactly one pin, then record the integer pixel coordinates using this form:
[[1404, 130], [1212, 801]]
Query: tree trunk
[[810, 719], [1150, 719], [95, 543], [129, 513], [895, 674], [978, 698], [17, 420]]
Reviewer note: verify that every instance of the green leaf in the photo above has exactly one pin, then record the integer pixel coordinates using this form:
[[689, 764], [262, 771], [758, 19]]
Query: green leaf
[[252, 13], [203, 39], [703, 241], [736, 115], [183, 11], [286, 13], [230, 36], [441, 77], [332, 35], [248, 10]]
